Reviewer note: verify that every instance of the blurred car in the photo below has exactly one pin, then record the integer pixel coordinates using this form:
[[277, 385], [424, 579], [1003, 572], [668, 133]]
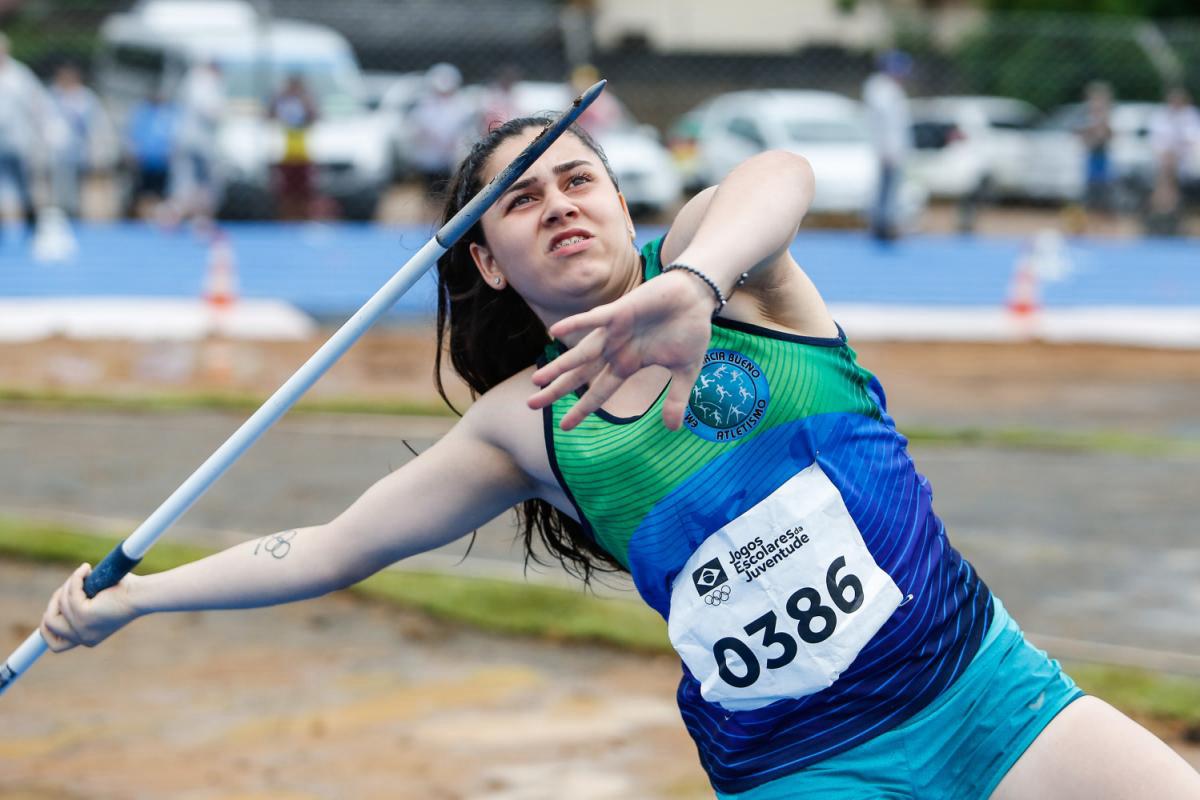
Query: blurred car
[[1059, 149], [976, 146], [393, 96], [828, 129], [153, 46], [643, 167]]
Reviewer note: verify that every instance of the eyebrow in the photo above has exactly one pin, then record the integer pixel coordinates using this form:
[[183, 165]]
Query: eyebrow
[[558, 169]]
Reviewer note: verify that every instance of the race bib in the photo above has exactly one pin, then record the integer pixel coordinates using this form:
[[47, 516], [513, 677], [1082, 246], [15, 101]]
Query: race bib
[[779, 602]]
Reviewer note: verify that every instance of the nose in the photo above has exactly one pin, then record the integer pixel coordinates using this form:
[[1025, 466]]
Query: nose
[[558, 208]]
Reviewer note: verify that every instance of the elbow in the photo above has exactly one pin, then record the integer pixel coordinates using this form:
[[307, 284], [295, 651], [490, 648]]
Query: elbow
[[791, 177], [792, 165]]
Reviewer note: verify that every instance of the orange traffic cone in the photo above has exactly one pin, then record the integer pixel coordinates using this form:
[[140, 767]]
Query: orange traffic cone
[[1024, 298], [220, 282], [1024, 295], [220, 295]]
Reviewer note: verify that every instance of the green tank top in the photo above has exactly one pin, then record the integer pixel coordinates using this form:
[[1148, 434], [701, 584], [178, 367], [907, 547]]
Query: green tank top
[[617, 469], [787, 538]]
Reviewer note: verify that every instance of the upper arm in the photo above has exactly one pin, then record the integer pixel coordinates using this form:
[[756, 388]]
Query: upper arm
[[685, 224], [687, 221], [455, 486]]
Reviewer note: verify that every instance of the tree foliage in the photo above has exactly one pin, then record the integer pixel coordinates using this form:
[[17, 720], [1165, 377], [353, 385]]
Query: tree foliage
[[1154, 9]]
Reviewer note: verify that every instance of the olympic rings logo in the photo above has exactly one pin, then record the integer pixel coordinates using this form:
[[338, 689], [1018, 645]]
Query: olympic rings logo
[[718, 596]]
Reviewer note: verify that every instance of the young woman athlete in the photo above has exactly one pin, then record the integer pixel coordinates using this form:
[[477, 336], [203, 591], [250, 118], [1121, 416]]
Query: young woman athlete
[[739, 463]]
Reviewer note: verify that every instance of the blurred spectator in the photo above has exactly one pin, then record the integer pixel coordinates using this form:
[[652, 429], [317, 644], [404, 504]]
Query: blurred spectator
[[201, 100], [1096, 133], [1174, 136], [148, 144], [891, 135], [23, 120], [79, 118], [499, 105], [603, 114], [296, 111], [441, 122]]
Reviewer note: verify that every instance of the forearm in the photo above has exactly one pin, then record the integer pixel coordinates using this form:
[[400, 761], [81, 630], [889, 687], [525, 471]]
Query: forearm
[[279, 568], [753, 215]]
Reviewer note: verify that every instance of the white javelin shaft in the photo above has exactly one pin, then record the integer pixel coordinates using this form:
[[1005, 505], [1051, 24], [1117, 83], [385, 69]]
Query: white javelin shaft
[[125, 557]]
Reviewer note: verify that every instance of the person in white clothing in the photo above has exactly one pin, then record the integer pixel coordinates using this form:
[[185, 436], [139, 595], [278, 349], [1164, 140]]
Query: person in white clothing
[[23, 125], [891, 135], [80, 116], [1175, 139], [201, 102], [442, 121]]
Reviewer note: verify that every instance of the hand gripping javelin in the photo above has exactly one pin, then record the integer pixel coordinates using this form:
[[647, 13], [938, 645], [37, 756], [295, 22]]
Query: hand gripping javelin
[[126, 556]]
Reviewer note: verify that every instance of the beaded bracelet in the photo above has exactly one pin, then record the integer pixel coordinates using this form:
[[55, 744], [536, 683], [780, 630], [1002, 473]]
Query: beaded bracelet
[[721, 298]]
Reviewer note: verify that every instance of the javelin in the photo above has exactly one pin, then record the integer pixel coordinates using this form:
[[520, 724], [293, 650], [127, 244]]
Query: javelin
[[126, 556]]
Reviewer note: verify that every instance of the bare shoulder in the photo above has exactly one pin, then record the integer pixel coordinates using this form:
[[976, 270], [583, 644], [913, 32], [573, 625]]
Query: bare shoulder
[[503, 418]]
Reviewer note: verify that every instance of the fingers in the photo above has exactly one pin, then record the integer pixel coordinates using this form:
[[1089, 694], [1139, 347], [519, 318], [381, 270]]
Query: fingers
[[590, 348], [73, 598], [596, 318], [61, 627], [602, 388], [678, 393], [565, 384], [56, 631]]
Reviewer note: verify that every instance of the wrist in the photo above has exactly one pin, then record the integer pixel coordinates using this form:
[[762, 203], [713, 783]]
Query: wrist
[[135, 595], [705, 284], [691, 285]]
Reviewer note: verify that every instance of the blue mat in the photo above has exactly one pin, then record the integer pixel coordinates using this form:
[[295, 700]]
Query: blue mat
[[329, 270]]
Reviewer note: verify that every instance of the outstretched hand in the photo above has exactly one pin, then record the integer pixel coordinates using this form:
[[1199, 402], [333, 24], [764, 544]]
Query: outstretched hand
[[73, 619], [664, 322]]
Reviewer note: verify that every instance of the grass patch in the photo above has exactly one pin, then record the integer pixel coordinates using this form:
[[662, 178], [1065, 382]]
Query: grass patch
[[213, 401], [565, 615], [1141, 693], [524, 609], [1098, 441]]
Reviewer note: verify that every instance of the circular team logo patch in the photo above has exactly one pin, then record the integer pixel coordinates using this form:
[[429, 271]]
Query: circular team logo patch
[[729, 399]]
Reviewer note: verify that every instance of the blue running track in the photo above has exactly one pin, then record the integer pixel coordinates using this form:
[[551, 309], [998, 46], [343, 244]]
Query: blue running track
[[329, 270]]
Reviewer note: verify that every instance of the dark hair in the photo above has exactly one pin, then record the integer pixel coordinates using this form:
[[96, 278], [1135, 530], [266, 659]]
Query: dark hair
[[493, 335]]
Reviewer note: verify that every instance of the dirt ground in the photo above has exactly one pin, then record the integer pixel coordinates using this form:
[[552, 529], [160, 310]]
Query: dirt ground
[[344, 698], [1077, 387], [334, 698]]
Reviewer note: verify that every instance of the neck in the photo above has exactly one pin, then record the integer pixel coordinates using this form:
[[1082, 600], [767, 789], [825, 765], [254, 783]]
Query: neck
[[628, 278]]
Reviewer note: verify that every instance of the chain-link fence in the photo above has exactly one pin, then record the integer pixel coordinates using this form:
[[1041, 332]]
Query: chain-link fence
[[662, 60]]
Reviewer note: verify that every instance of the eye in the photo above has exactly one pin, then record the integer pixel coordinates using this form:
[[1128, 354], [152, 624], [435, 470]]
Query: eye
[[579, 179], [520, 200]]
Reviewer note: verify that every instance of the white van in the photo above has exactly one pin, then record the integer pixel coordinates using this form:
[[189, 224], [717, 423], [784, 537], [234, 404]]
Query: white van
[[153, 46]]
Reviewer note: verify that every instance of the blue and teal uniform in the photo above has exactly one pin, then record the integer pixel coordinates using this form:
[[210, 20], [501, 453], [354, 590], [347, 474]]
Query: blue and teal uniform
[[791, 544]]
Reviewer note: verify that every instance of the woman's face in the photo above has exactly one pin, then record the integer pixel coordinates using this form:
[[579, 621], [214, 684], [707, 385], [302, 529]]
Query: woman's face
[[561, 236]]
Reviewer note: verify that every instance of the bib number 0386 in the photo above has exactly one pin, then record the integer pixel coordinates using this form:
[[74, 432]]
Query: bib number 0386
[[815, 622]]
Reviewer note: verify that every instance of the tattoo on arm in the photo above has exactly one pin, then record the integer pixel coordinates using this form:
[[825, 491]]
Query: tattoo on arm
[[277, 545]]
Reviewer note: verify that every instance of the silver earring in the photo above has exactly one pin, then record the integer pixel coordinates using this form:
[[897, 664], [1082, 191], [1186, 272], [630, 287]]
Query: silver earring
[[497, 280]]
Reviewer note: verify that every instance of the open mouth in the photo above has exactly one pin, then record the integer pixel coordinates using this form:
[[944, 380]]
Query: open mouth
[[568, 239]]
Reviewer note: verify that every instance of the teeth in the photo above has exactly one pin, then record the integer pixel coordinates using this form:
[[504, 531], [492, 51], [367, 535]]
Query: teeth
[[570, 241]]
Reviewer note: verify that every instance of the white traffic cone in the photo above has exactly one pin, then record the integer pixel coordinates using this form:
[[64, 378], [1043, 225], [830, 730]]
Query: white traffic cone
[[220, 281], [53, 239]]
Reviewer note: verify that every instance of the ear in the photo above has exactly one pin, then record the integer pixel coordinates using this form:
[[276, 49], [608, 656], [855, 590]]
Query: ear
[[487, 266], [628, 218]]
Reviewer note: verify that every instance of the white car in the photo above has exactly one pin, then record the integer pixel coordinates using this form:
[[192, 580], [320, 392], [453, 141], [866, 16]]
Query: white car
[[644, 168], [1060, 151], [828, 129], [976, 146], [152, 47], [393, 96]]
